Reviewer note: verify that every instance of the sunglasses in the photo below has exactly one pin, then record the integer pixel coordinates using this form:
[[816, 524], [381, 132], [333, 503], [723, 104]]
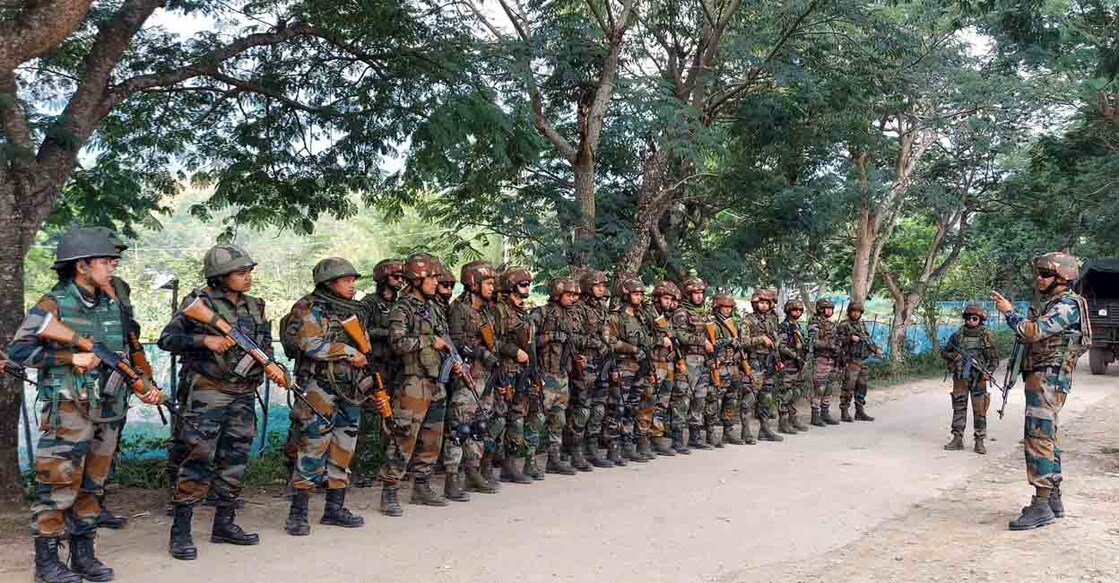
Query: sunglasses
[[972, 318], [447, 285], [524, 284], [1045, 273]]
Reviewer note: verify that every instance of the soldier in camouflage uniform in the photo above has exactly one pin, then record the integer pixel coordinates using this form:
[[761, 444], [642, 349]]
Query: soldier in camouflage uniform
[[219, 422], [445, 292], [855, 345], [83, 404], [793, 350], [760, 339], [468, 461], [587, 412], [1054, 339], [513, 338], [555, 338], [335, 375], [823, 353], [670, 416], [737, 406], [389, 277], [969, 345], [632, 338], [419, 404], [689, 321]]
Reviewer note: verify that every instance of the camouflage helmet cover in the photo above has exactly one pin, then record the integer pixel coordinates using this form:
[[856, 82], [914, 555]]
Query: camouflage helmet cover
[[386, 267], [1066, 266], [975, 310], [509, 278], [823, 304], [631, 285], [332, 268], [475, 272], [561, 285], [723, 300], [84, 243], [794, 305], [855, 306], [421, 265], [223, 259], [666, 288], [589, 279], [693, 284]]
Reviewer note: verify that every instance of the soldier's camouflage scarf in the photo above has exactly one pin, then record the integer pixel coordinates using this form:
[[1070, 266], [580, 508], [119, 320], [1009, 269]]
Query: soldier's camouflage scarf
[[340, 306]]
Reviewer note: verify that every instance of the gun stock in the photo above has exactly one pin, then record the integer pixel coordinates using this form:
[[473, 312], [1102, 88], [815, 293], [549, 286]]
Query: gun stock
[[353, 328], [487, 333]]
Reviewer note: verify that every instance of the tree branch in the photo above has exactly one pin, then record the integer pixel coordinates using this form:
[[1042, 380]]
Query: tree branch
[[13, 121], [254, 87], [38, 29]]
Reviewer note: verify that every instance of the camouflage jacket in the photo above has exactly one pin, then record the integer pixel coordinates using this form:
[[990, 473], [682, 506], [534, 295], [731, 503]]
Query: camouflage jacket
[[689, 323], [466, 325], [792, 346], [1058, 336], [977, 343], [854, 351], [728, 340], [513, 331], [590, 317], [555, 338], [662, 326], [324, 348], [413, 325], [756, 329], [822, 337], [631, 334], [377, 315]]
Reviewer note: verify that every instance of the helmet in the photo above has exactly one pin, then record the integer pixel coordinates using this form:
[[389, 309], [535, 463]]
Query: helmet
[[666, 288], [767, 295], [112, 236], [421, 265], [223, 259], [332, 268], [794, 305], [823, 304], [387, 267], [561, 285], [446, 277], [723, 300], [473, 273], [509, 278], [693, 284], [975, 310], [589, 279], [1064, 265], [631, 285], [855, 306], [83, 243]]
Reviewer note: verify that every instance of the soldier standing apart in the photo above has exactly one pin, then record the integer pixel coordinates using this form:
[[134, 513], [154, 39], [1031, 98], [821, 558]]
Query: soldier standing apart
[[823, 350], [690, 323], [632, 339], [855, 345], [793, 350], [970, 349], [335, 374], [419, 404], [761, 343], [219, 422], [513, 337], [671, 416], [469, 462], [555, 336], [1054, 340], [83, 405], [587, 411], [737, 403], [389, 276]]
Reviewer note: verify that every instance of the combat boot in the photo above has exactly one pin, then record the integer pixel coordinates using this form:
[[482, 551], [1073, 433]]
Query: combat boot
[[979, 447], [825, 416], [107, 519], [297, 524], [48, 567], [225, 530], [860, 414], [715, 437], [956, 444], [614, 454], [556, 464], [476, 481], [733, 436], [511, 473], [816, 419], [335, 512], [1038, 513], [748, 435], [1055, 503], [796, 422], [182, 544], [531, 469], [390, 506], [423, 495], [663, 446], [577, 460], [645, 448], [594, 456], [83, 561], [678, 444], [783, 425], [765, 433], [486, 472], [454, 485], [629, 451], [845, 415], [695, 439]]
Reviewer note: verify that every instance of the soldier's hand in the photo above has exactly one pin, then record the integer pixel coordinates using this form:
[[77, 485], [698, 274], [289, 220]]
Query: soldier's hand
[[152, 397], [275, 375], [854, 338], [614, 376], [767, 342], [581, 361], [522, 356], [1002, 304], [666, 342], [359, 360], [218, 344], [439, 344], [456, 368], [681, 367], [708, 347], [85, 361]]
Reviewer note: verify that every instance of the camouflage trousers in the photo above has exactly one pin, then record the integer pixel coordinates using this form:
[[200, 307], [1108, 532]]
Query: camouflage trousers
[[854, 384], [765, 400], [679, 403], [980, 402], [585, 410], [418, 409], [636, 404], [739, 400], [791, 385], [72, 463], [547, 419], [217, 433], [661, 413], [463, 408], [700, 385], [516, 442], [324, 453], [823, 381], [1046, 391]]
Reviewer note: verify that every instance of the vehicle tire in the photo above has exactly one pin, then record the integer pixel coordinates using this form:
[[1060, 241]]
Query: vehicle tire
[[1097, 360]]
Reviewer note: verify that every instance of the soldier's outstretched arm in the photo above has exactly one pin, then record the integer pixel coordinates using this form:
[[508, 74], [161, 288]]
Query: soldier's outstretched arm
[[1062, 316], [26, 349]]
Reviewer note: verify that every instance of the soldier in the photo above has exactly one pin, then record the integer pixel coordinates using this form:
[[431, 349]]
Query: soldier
[[446, 291], [690, 324], [737, 404], [671, 413], [968, 347], [823, 354], [389, 277], [219, 423], [760, 331], [468, 461], [335, 375], [420, 402], [513, 333], [1054, 340], [793, 351], [555, 337], [855, 345], [587, 411], [632, 338], [83, 404]]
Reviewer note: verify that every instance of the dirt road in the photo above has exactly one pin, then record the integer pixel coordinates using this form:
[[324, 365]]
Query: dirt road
[[858, 502]]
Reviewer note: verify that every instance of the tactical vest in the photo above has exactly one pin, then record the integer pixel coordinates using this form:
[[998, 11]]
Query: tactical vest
[[975, 342], [590, 316], [551, 318], [235, 365], [512, 330], [465, 325], [726, 338], [635, 331], [662, 325], [1061, 349], [339, 374], [755, 323], [420, 321], [697, 326], [792, 340], [855, 351], [378, 316], [822, 336]]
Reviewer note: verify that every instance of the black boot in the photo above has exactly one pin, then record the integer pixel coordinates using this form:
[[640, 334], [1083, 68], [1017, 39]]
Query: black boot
[[182, 544], [48, 568], [732, 435], [578, 461], [1036, 514], [614, 454], [225, 530], [645, 447], [715, 437], [956, 444], [423, 495], [629, 452], [297, 524], [511, 473], [590, 448], [476, 481], [556, 464], [486, 470], [797, 424], [815, 419], [335, 512], [783, 425], [979, 447], [390, 505], [695, 439], [825, 416], [845, 415], [663, 446], [1055, 503], [860, 414], [531, 469], [82, 559], [108, 519], [678, 444], [454, 485], [765, 433]]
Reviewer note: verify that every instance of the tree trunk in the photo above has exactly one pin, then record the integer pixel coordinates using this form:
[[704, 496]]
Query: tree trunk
[[864, 243], [583, 169], [12, 250], [650, 207], [932, 325], [903, 309]]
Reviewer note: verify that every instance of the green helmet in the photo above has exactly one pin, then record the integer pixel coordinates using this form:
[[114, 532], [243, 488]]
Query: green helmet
[[823, 304], [332, 268], [223, 259], [83, 243], [855, 306], [112, 236]]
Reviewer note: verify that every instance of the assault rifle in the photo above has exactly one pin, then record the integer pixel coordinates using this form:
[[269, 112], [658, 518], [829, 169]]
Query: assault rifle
[[353, 328], [16, 371], [716, 380], [1013, 370]]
